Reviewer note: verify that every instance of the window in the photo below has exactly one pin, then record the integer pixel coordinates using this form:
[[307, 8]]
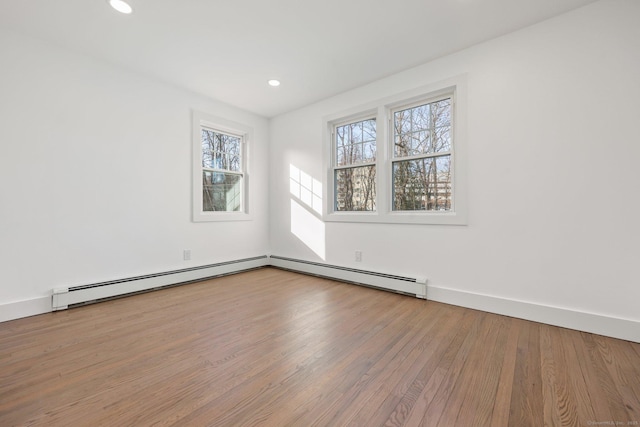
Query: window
[[221, 171], [401, 159], [220, 177], [355, 166], [422, 157]]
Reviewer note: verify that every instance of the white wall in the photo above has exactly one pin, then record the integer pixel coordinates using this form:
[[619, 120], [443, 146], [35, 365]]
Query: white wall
[[552, 167], [95, 175], [95, 167]]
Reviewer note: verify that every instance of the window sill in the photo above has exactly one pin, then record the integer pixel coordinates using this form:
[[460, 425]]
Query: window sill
[[426, 218], [221, 217]]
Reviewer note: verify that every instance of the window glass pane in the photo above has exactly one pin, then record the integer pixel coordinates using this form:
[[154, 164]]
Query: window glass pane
[[420, 117], [424, 129], [221, 151], [441, 113], [370, 150], [234, 163], [234, 149], [356, 143], [421, 142], [355, 189], [402, 122], [356, 132], [342, 135], [341, 156], [207, 148], [369, 131], [402, 145], [442, 139], [221, 192], [422, 184]]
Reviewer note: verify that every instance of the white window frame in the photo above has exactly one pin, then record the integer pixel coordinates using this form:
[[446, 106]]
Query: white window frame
[[383, 110], [218, 124]]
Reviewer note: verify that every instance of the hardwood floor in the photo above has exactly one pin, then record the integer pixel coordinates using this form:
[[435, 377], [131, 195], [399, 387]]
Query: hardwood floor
[[275, 348]]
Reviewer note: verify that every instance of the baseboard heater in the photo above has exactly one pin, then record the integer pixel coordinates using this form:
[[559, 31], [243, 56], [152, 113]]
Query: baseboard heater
[[406, 285], [74, 296], [64, 298]]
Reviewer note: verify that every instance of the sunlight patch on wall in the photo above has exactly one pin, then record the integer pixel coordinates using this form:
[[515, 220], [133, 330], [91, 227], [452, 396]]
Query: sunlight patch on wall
[[306, 208], [308, 228], [305, 188]]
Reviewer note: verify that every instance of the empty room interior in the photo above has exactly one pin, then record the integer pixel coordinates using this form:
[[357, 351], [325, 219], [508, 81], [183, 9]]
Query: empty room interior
[[293, 213]]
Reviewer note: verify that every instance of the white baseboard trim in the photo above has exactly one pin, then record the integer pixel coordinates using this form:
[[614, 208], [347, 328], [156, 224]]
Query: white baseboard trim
[[614, 327], [26, 308]]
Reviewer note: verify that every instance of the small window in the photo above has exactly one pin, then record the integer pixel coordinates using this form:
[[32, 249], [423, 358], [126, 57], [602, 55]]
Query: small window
[[220, 169], [355, 166]]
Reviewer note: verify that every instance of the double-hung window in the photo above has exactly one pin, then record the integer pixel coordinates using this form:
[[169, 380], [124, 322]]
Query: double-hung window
[[222, 172], [401, 159], [219, 169], [421, 164], [354, 172]]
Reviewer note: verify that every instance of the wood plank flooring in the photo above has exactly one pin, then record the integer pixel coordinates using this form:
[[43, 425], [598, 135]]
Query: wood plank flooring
[[274, 348]]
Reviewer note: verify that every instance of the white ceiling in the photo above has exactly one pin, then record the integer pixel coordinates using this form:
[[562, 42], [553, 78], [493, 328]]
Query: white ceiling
[[228, 49]]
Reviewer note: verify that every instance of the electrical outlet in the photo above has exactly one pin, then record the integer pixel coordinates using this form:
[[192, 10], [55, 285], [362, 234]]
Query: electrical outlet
[[186, 254], [358, 256]]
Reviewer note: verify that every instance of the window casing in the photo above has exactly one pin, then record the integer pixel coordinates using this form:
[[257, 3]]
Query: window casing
[[413, 161], [220, 178]]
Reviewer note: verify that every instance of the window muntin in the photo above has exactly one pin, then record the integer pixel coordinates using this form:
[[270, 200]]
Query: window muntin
[[354, 171], [222, 171], [422, 156]]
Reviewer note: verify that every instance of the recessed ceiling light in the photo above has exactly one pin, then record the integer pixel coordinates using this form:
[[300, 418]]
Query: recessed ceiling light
[[121, 6], [274, 82]]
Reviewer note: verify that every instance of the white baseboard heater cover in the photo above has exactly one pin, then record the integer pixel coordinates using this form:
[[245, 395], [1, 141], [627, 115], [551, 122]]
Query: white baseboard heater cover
[[64, 298], [407, 285]]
